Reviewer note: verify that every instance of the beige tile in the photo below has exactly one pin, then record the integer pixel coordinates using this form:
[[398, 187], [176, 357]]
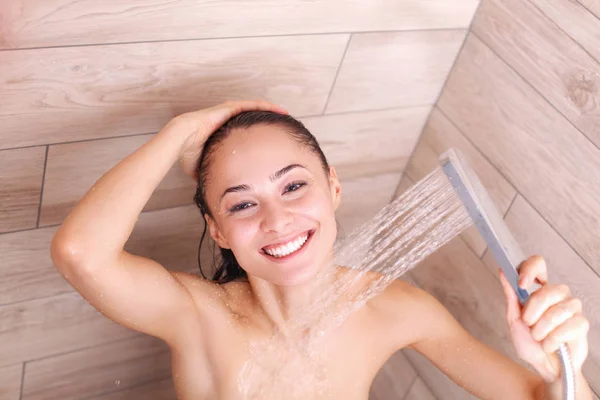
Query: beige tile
[[158, 390], [394, 379], [575, 20], [170, 237], [438, 383], [72, 169], [547, 160], [21, 172], [535, 236], [592, 5], [45, 327], [97, 370], [10, 382], [553, 63], [394, 69], [363, 198], [440, 135], [60, 22], [77, 93], [367, 143], [419, 391]]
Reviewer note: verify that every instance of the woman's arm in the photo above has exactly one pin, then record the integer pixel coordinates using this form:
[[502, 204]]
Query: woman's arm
[[88, 248]]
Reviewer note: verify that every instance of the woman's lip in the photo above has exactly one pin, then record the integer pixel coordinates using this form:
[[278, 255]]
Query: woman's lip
[[291, 239], [297, 252]]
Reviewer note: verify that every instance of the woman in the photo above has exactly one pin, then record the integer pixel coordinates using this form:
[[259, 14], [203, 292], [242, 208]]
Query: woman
[[268, 198]]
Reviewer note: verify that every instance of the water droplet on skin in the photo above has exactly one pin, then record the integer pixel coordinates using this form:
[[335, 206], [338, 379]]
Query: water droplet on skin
[[117, 383]]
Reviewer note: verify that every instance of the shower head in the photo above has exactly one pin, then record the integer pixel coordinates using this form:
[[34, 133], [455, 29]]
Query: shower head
[[500, 241]]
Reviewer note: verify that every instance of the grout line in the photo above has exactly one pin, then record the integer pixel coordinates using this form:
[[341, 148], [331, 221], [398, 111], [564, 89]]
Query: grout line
[[15, 303], [587, 8], [413, 382], [519, 193], [39, 213], [337, 74], [565, 32], [543, 97], [198, 39], [22, 381]]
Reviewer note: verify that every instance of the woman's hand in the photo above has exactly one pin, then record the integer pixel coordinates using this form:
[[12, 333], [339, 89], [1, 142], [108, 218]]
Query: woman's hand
[[201, 124], [550, 317]]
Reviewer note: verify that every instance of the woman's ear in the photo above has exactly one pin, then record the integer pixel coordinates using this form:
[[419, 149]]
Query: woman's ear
[[335, 187], [215, 232]]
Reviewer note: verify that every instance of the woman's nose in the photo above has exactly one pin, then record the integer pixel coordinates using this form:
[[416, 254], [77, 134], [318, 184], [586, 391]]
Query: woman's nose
[[276, 217]]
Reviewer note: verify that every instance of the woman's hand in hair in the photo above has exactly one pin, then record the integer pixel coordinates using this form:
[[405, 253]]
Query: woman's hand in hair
[[201, 124]]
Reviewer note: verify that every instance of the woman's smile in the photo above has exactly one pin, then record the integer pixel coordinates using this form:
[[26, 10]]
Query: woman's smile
[[288, 249]]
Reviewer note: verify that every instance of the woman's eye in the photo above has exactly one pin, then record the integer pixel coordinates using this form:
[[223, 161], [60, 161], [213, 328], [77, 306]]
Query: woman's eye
[[240, 206], [292, 187]]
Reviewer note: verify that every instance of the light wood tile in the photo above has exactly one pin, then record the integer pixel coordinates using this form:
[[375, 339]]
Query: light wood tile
[[159, 390], [362, 144], [535, 236], [10, 382], [60, 22], [97, 370], [564, 73], [438, 383], [170, 237], [394, 69], [575, 20], [363, 198], [419, 391], [54, 325], [394, 379], [73, 168], [21, 172], [547, 160], [77, 93], [592, 5], [440, 135]]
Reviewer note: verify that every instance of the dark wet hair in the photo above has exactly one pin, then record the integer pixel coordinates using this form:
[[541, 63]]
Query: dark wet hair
[[229, 269]]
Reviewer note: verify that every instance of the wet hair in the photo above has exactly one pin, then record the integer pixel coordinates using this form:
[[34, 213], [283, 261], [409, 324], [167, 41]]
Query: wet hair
[[229, 269]]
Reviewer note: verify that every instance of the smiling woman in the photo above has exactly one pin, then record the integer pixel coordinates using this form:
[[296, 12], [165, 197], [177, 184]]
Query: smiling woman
[[264, 144], [269, 197]]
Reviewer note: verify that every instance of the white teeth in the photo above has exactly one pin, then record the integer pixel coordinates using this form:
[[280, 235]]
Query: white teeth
[[287, 248]]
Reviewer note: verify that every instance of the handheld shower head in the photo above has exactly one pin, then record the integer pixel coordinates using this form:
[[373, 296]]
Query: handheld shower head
[[500, 241]]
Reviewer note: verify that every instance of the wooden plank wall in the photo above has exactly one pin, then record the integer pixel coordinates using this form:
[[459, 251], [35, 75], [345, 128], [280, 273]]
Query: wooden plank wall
[[83, 84], [523, 104]]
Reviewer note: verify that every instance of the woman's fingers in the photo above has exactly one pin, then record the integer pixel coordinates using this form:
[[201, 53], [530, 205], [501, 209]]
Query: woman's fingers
[[541, 300], [556, 316], [532, 269], [513, 307], [572, 331]]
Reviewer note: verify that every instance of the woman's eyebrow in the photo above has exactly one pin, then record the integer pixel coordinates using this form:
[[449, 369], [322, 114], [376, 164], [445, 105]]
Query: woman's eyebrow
[[274, 177]]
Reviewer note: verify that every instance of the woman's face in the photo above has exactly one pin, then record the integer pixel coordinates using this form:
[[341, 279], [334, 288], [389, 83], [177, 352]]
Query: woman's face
[[272, 204]]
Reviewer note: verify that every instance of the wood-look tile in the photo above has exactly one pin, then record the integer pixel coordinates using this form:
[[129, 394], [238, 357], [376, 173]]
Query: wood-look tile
[[394, 69], [366, 143], [575, 20], [73, 168], [535, 236], [60, 22], [158, 390], [541, 154], [97, 370], [549, 60], [440, 135], [40, 328], [363, 198], [592, 5], [77, 93], [10, 382], [439, 384], [394, 379], [419, 391], [21, 172], [170, 237]]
